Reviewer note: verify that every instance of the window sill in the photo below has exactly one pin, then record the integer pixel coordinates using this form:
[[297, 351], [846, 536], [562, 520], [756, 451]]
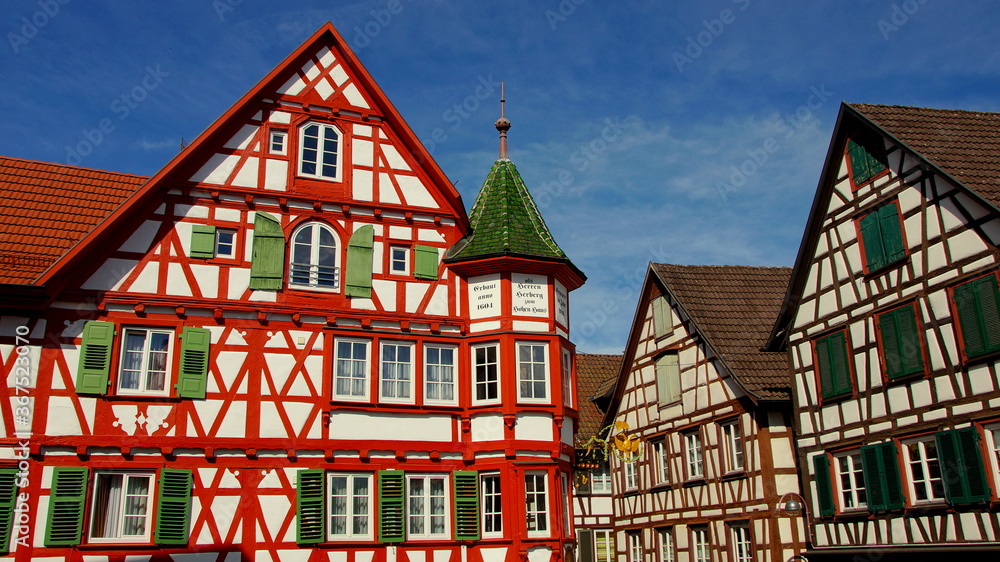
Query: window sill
[[661, 487], [869, 275], [118, 545], [735, 475], [700, 481]]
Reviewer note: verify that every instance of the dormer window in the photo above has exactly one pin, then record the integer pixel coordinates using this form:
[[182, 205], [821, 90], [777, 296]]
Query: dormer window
[[319, 151]]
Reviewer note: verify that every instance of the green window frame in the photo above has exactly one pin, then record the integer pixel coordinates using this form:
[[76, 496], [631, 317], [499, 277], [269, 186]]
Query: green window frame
[[962, 467], [902, 351], [833, 365], [8, 502], [267, 263], [882, 237], [882, 480], [978, 306], [866, 157]]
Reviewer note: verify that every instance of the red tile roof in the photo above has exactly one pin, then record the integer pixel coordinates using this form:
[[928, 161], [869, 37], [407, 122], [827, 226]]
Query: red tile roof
[[47, 208], [964, 144], [734, 308], [594, 373]]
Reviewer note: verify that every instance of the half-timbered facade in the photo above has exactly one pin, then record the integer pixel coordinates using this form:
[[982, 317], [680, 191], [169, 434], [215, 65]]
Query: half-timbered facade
[[892, 324], [711, 414], [289, 344]]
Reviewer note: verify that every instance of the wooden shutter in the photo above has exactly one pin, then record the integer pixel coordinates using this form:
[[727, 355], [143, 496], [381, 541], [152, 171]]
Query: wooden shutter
[[824, 367], [425, 262], [95, 357], [202, 241], [964, 297], [871, 239], [882, 480], [910, 351], [585, 545], [893, 248], [824, 486], [310, 506], [834, 365], [962, 469], [66, 502], [989, 306], [859, 162], [192, 377], [173, 507], [890, 345], [662, 319], [267, 264], [391, 506], [668, 380], [359, 262], [8, 501], [466, 488]]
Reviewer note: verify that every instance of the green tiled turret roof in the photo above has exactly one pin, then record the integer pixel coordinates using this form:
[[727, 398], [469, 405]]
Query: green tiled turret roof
[[505, 221]]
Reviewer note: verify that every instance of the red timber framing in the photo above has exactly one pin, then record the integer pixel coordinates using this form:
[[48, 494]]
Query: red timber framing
[[262, 355]]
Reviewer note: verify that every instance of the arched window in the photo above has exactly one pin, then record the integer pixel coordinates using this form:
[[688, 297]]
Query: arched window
[[319, 151], [314, 257]]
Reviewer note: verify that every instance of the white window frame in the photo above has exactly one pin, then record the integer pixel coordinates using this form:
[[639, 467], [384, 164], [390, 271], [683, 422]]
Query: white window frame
[[667, 369], [661, 461], [491, 492], [317, 274], [350, 505], [352, 360], [665, 535], [427, 501], [567, 378], [567, 522], [600, 480], [118, 515], [847, 468], [631, 472], [921, 455], [321, 151], [482, 377], [694, 456], [441, 370], [529, 387], [145, 369], [732, 446], [396, 380], [701, 544], [536, 509], [279, 138], [992, 433], [219, 243], [399, 256], [742, 541], [634, 539], [604, 551]]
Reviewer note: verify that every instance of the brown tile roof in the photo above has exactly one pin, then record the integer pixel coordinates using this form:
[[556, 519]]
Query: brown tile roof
[[734, 308], [965, 144], [47, 208], [594, 373]]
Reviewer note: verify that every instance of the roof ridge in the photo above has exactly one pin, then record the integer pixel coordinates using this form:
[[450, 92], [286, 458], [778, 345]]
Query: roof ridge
[[913, 107]]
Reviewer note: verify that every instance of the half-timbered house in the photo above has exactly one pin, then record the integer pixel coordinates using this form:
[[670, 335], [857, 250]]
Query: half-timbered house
[[291, 343], [712, 417], [892, 326]]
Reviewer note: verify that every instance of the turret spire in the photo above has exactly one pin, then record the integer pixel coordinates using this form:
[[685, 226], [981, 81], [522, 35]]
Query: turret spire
[[502, 125]]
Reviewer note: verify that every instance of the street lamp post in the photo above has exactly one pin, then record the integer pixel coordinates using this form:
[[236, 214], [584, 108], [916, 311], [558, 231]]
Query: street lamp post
[[793, 503]]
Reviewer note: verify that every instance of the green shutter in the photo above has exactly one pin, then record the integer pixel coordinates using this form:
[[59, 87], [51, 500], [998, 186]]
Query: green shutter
[[192, 377], [865, 157], [466, 505], [824, 368], [882, 479], [95, 357], [910, 351], [173, 507], [66, 502], [892, 233], [310, 502], [890, 345], [359, 262], [834, 365], [8, 501], [391, 506], [989, 306], [824, 487], [978, 305], [202, 241], [585, 545], [962, 468], [268, 257], [425, 262], [871, 239]]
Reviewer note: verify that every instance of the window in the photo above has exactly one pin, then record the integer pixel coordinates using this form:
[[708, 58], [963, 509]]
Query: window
[[634, 546], [661, 462], [532, 378], [397, 372], [850, 480], [314, 257], [668, 379], [604, 545], [978, 305], [993, 449], [732, 446], [279, 139], [882, 237], [866, 156], [536, 503], [121, 507], [962, 467], [600, 480], [833, 365], [486, 385], [631, 471], [923, 470], [439, 364], [663, 321], [211, 242], [900, 339], [742, 544], [145, 360], [693, 455], [700, 544], [320, 150], [881, 468], [225, 243], [267, 263], [350, 506], [567, 377], [399, 260], [351, 370], [426, 514], [665, 535], [489, 486]]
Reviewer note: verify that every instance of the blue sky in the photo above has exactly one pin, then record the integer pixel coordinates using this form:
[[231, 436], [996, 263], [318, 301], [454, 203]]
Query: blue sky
[[682, 131]]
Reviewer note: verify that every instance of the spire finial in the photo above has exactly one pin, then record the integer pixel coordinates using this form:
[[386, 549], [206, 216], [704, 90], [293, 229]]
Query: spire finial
[[502, 125]]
